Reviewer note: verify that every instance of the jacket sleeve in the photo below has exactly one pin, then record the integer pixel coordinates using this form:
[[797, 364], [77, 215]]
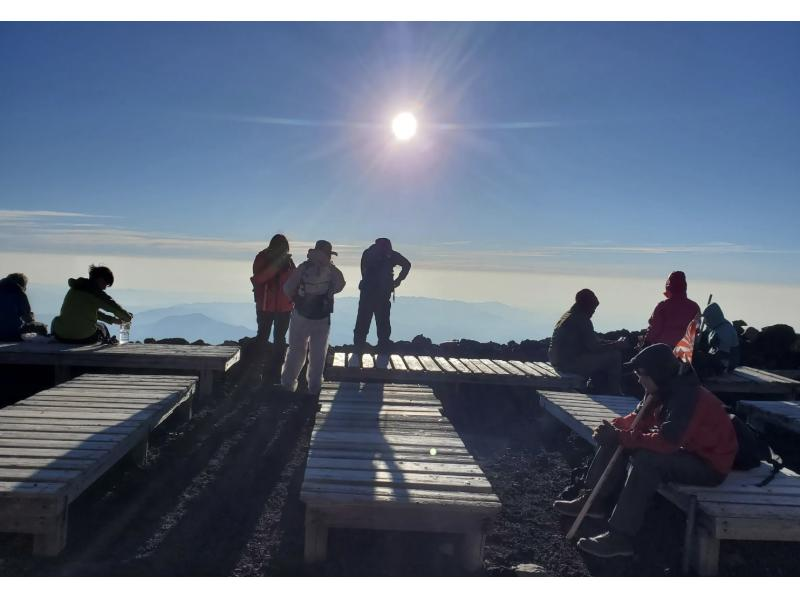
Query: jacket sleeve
[[337, 280], [364, 263], [405, 266], [656, 323], [290, 287], [669, 435], [106, 303], [588, 336], [25, 309], [264, 275]]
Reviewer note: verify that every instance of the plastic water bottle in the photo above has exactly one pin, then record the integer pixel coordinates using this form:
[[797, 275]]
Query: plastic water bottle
[[124, 333]]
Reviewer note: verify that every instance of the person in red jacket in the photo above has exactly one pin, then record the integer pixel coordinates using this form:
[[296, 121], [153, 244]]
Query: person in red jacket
[[672, 316], [271, 269], [685, 436]]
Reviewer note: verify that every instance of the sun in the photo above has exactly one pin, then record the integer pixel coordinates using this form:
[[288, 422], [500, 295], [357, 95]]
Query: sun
[[404, 126]]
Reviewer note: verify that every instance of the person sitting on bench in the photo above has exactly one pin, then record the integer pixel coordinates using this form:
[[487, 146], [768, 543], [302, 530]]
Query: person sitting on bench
[[16, 317], [671, 316], [718, 350], [575, 348], [685, 436], [78, 321]]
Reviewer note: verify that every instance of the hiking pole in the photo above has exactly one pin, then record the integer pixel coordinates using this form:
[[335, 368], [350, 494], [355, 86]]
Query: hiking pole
[[587, 505]]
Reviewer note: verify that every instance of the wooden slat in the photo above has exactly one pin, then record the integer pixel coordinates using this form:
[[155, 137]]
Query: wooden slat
[[459, 365], [413, 364], [508, 367], [339, 359], [429, 364], [367, 361], [406, 480], [525, 367], [494, 367], [444, 364], [398, 363]]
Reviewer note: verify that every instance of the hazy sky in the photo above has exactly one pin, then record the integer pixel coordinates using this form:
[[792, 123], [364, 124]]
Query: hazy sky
[[546, 152]]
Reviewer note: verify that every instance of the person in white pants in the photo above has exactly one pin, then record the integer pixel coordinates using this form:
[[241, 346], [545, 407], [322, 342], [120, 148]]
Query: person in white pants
[[312, 287]]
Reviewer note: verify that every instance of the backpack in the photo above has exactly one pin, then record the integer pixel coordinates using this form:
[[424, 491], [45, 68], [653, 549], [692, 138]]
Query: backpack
[[313, 307], [753, 449]]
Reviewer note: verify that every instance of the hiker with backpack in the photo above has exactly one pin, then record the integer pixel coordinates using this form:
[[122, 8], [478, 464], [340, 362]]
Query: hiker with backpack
[[271, 270], [16, 317], [671, 316], [311, 287], [377, 286], [575, 347], [84, 304], [684, 435], [718, 350]]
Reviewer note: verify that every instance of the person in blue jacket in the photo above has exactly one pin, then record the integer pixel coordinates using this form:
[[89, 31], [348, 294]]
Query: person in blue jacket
[[16, 317]]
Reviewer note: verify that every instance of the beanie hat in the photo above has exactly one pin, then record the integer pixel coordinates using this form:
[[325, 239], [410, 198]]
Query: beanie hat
[[657, 361], [586, 299], [384, 243], [676, 284]]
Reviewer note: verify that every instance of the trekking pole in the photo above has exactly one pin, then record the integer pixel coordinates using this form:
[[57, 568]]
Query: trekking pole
[[587, 505]]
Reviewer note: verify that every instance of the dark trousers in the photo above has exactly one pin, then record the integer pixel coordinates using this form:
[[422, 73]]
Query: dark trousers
[[101, 335], [369, 304], [635, 478], [265, 320]]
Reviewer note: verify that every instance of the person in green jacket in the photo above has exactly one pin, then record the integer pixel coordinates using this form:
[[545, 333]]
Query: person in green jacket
[[78, 321]]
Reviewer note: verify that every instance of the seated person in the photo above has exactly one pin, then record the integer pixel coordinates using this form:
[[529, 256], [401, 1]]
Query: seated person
[[575, 348], [80, 312], [718, 351], [16, 317], [685, 436], [671, 317]]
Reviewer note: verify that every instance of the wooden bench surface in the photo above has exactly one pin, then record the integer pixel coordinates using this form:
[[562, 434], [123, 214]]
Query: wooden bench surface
[[783, 414], [749, 380], [128, 355], [427, 370]]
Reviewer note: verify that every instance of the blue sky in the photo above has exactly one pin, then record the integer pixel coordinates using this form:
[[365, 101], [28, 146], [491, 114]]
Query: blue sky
[[629, 148]]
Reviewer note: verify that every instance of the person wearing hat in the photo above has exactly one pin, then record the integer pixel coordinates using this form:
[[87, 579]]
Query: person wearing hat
[[311, 287], [576, 349], [671, 317], [685, 436], [377, 284]]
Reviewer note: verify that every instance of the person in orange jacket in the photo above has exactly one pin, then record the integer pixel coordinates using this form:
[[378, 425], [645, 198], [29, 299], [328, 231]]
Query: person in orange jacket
[[685, 437]]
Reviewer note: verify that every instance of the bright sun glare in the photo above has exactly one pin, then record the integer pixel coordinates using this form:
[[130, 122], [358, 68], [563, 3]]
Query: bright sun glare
[[404, 126]]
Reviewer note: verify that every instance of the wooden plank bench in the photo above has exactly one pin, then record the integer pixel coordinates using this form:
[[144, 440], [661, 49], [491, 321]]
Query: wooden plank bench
[[781, 414], [58, 442], [424, 369], [747, 380], [384, 457], [203, 361], [737, 509]]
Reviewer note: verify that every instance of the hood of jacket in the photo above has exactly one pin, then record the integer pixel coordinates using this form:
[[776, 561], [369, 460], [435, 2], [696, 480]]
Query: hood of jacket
[[8, 285], [87, 286], [713, 315]]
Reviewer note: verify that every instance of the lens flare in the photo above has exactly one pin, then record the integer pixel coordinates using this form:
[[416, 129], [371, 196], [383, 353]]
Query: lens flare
[[404, 126]]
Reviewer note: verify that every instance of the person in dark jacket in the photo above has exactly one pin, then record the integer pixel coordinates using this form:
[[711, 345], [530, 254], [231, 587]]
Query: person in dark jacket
[[672, 316], [271, 269], [576, 349], [685, 436], [377, 284], [16, 317], [719, 351], [84, 304]]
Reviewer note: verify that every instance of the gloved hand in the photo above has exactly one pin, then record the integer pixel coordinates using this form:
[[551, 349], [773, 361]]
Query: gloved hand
[[606, 434]]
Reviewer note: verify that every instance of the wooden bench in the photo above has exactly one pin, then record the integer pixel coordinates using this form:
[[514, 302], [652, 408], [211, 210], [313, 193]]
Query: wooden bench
[[747, 380], [781, 414], [201, 360], [58, 442], [423, 369], [737, 509], [384, 457]]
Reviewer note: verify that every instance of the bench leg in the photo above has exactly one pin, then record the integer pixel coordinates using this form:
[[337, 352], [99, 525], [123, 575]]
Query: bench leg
[[470, 550], [54, 541], [316, 545], [139, 453], [184, 412], [707, 553], [205, 385]]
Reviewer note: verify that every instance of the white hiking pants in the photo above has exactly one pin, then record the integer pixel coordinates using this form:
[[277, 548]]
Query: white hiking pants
[[306, 335]]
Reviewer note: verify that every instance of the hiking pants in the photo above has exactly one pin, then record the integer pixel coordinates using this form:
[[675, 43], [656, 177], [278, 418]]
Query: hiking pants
[[306, 336], [265, 321], [378, 304], [639, 473], [608, 362]]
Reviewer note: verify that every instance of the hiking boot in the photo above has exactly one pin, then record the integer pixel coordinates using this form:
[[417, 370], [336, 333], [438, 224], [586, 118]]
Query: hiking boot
[[571, 508], [607, 545]]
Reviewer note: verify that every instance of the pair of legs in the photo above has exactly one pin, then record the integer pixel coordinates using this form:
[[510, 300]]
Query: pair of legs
[[306, 336], [608, 362], [101, 335], [278, 324], [378, 304], [638, 474]]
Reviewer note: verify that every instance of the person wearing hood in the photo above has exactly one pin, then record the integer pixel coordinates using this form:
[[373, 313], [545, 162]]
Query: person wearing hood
[[575, 347], [377, 285], [719, 344], [84, 304], [311, 286], [671, 316], [16, 317], [685, 436], [271, 270]]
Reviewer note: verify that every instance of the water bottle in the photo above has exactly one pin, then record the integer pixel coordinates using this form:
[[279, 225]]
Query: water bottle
[[124, 333]]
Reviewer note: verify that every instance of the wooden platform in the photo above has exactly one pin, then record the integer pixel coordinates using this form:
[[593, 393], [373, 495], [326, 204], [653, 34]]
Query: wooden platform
[[737, 509], [203, 361], [56, 443], [384, 457], [782, 414], [423, 369], [753, 381]]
